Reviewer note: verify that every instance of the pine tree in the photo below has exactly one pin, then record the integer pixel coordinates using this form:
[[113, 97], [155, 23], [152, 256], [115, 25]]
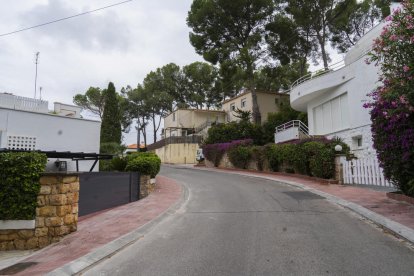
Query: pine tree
[[111, 123]]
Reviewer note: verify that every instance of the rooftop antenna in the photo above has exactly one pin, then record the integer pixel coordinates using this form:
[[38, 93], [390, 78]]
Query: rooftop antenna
[[36, 62]]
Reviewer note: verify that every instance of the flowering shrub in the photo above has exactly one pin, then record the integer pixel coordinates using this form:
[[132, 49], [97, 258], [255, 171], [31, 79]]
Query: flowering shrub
[[214, 152], [392, 103]]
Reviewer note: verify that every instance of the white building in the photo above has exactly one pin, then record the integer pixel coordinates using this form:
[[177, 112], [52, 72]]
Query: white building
[[27, 124], [334, 100]]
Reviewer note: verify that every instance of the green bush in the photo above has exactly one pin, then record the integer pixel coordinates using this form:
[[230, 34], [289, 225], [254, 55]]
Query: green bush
[[322, 164], [19, 184], [223, 133], [109, 148], [259, 156], [272, 154], [311, 158], [146, 164], [118, 164], [240, 156]]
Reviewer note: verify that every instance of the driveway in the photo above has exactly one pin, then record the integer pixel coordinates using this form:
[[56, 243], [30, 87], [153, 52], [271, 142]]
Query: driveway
[[237, 225]]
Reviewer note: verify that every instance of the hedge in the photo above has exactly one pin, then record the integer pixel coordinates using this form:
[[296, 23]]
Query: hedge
[[146, 163], [19, 184], [313, 158], [240, 156]]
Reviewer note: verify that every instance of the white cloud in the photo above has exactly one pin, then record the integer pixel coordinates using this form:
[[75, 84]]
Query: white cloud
[[121, 44]]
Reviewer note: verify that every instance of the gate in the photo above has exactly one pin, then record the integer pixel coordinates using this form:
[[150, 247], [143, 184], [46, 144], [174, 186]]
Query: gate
[[364, 171], [103, 190]]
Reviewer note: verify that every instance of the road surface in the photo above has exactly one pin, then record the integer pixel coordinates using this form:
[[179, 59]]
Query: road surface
[[237, 225]]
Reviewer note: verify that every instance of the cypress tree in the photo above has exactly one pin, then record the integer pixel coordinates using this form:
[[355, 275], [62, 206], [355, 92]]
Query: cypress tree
[[111, 119]]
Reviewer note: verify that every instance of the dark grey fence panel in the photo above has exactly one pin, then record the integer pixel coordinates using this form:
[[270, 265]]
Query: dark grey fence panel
[[103, 190]]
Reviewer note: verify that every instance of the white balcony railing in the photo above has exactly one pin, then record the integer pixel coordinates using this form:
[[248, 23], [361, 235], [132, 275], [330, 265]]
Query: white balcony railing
[[292, 130], [319, 73], [23, 103]]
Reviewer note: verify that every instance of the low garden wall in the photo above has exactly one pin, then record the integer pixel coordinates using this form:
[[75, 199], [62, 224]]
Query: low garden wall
[[307, 159], [147, 186], [56, 215]]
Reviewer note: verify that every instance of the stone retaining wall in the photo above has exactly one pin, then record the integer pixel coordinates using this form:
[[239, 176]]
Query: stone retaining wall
[[147, 186], [56, 214], [284, 169]]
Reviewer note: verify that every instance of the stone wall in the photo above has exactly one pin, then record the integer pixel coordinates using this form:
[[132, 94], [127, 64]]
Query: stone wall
[[349, 136], [56, 214], [147, 186], [284, 169]]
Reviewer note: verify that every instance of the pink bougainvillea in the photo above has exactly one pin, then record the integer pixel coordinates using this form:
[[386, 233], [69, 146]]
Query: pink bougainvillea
[[392, 105]]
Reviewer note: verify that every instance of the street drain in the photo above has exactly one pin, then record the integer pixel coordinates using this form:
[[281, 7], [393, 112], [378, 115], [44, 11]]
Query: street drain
[[16, 268], [303, 195]]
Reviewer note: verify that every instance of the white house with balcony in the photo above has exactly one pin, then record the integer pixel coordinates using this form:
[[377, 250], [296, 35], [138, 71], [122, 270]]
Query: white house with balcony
[[334, 99], [27, 124]]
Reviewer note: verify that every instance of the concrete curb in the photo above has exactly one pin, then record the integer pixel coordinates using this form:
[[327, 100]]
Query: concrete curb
[[91, 259], [395, 227]]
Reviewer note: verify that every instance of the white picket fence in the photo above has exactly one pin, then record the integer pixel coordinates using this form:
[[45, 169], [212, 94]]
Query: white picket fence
[[364, 171]]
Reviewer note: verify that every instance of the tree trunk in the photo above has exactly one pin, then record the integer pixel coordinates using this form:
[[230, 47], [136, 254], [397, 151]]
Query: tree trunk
[[138, 135], [321, 41], [154, 128], [257, 117]]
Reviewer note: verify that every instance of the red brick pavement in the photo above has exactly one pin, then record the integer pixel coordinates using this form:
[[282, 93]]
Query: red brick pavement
[[103, 227]]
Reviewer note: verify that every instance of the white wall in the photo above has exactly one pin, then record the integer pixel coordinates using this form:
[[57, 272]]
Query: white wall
[[52, 132], [321, 94], [358, 121]]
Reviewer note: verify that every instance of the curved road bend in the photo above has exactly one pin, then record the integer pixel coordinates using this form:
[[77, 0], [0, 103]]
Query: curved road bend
[[235, 225]]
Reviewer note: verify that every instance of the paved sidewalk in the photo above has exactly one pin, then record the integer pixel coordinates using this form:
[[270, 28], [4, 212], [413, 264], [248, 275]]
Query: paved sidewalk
[[375, 201], [97, 230]]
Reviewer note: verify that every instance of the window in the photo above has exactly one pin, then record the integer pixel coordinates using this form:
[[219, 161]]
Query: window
[[331, 116], [277, 101], [174, 117], [243, 103], [232, 107], [357, 142]]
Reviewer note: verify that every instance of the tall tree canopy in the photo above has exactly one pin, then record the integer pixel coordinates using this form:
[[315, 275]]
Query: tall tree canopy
[[313, 18], [354, 19], [201, 85], [93, 100], [111, 119], [234, 30]]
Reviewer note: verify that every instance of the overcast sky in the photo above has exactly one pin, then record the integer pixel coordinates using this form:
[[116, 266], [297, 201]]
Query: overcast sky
[[121, 44]]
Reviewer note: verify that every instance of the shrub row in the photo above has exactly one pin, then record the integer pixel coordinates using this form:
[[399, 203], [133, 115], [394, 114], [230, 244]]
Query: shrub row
[[313, 158], [146, 163], [19, 184], [215, 152]]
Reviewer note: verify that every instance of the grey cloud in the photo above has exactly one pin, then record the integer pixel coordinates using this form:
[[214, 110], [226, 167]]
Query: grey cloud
[[100, 30]]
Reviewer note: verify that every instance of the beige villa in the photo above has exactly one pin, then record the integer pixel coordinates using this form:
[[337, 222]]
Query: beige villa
[[269, 102], [185, 129], [184, 122], [183, 133]]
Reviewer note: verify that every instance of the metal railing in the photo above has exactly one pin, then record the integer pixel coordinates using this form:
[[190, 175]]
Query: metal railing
[[313, 75], [295, 123], [193, 139], [23, 103], [202, 126]]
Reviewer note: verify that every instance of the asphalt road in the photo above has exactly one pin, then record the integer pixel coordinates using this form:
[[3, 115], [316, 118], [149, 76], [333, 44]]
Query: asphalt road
[[236, 225]]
